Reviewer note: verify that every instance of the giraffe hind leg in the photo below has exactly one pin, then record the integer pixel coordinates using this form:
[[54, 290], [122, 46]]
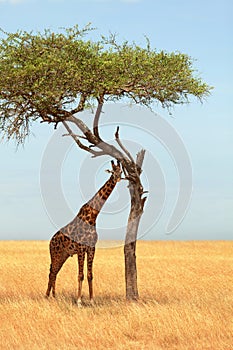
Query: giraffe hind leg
[[58, 258]]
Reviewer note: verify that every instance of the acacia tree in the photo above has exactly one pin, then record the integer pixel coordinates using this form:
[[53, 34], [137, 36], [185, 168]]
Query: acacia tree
[[52, 77]]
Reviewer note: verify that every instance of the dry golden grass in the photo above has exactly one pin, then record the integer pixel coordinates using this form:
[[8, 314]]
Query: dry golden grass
[[186, 291]]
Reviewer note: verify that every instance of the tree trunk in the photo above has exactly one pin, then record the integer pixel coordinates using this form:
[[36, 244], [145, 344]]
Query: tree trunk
[[137, 204], [131, 271]]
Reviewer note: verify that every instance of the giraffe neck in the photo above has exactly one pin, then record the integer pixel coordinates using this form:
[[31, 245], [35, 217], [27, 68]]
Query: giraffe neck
[[92, 208]]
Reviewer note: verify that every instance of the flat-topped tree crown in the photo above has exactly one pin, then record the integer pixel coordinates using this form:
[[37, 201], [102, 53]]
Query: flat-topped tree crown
[[50, 76]]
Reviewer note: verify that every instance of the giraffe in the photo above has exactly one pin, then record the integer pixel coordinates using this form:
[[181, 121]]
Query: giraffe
[[80, 237]]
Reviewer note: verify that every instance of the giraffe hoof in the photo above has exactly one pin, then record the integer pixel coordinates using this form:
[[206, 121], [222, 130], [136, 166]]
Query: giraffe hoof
[[92, 302], [80, 305]]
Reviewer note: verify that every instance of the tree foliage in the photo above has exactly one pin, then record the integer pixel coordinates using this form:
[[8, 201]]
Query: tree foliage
[[50, 76]]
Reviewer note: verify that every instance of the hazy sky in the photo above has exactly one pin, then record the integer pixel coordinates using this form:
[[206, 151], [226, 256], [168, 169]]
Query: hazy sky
[[202, 29]]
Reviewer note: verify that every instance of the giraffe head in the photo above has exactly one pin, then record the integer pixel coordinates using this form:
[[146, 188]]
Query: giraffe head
[[116, 171]]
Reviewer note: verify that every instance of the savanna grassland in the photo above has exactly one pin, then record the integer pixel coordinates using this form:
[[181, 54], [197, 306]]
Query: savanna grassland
[[186, 291]]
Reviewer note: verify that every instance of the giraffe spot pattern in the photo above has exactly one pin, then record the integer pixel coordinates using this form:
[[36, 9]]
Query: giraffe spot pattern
[[80, 236]]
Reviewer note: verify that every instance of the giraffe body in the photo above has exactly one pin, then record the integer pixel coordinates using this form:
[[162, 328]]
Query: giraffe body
[[80, 237]]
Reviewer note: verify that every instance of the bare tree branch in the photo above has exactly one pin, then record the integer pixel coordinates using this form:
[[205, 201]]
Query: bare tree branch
[[128, 164], [96, 119], [81, 105], [140, 158], [94, 141], [85, 130], [80, 144], [78, 136], [122, 146]]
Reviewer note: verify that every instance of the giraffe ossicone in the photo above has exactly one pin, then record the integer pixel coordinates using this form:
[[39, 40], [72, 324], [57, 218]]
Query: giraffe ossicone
[[80, 237]]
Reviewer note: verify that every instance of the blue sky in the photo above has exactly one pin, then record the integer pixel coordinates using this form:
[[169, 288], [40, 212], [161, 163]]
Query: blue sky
[[202, 29]]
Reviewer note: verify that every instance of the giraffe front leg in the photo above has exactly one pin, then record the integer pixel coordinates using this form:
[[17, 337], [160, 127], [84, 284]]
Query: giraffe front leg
[[79, 297], [81, 259], [90, 258]]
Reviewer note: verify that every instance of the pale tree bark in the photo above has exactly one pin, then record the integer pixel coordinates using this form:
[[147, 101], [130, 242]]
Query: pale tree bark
[[136, 210]]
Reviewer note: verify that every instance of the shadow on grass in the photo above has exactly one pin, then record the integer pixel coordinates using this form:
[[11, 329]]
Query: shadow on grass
[[69, 299]]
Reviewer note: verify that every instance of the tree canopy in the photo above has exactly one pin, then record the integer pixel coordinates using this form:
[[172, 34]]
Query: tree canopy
[[51, 76]]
